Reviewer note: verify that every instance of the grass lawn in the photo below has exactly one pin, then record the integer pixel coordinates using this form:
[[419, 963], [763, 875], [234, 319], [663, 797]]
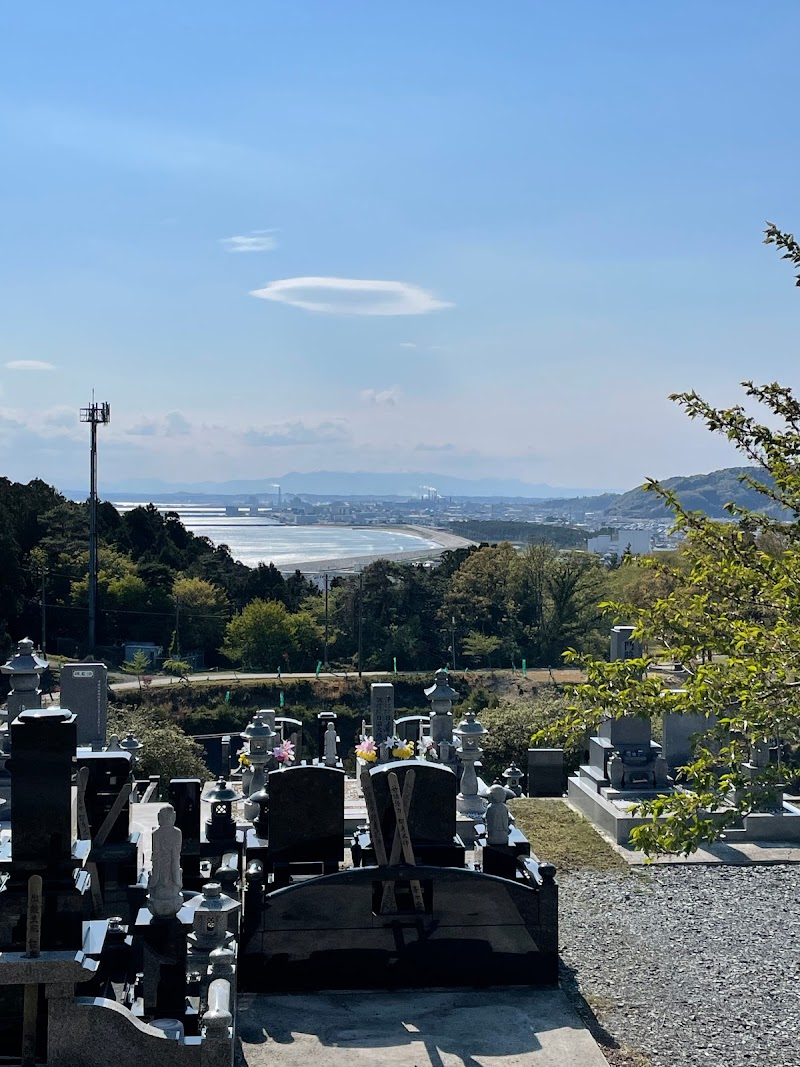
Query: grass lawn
[[559, 835]]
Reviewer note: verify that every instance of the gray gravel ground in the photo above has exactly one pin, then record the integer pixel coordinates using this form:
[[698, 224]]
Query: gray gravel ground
[[690, 965]]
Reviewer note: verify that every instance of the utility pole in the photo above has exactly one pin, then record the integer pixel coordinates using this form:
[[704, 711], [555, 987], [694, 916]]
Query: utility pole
[[453, 638], [44, 618], [96, 415], [325, 654], [360, 619]]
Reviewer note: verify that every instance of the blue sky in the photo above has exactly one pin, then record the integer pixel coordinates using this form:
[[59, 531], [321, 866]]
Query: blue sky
[[446, 236]]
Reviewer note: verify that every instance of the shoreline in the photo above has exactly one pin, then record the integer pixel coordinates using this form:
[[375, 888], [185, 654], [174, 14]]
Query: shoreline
[[344, 564]]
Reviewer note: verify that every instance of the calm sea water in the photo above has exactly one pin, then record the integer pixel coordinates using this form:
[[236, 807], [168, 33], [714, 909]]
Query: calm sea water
[[253, 539]]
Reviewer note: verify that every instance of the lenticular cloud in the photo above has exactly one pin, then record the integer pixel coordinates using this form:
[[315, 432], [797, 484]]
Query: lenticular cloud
[[351, 296]]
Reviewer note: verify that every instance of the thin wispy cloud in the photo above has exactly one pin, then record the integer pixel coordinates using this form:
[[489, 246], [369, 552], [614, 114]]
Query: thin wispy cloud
[[434, 448], [255, 241], [388, 397], [296, 433], [408, 344], [351, 296], [173, 424], [29, 364]]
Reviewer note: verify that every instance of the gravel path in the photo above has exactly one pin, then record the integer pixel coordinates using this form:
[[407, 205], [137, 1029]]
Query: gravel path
[[689, 965]]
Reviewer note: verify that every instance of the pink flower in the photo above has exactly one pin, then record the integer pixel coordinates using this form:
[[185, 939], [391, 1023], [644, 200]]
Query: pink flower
[[366, 750], [284, 753]]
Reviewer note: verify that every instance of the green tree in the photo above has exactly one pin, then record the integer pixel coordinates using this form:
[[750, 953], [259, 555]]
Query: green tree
[[478, 596], [261, 637], [307, 638], [166, 749], [480, 647], [511, 725], [202, 610]]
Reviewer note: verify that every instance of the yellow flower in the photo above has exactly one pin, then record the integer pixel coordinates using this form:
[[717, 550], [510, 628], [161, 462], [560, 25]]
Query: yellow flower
[[245, 762], [405, 751]]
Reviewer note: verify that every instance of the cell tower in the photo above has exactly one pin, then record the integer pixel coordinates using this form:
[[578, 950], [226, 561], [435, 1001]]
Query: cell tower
[[96, 415]]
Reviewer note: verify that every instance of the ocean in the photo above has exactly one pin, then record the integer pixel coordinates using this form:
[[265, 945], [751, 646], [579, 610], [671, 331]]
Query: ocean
[[254, 540]]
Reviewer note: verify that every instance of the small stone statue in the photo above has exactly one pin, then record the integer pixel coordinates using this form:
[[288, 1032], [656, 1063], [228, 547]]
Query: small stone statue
[[616, 771], [331, 756], [498, 819], [166, 879]]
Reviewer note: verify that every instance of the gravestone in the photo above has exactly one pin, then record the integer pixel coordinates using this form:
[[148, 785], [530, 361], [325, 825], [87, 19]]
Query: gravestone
[[678, 731], [432, 816], [412, 727], [43, 747], [42, 837], [108, 773], [623, 645], [84, 690], [623, 756], [545, 772], [306, 816], [381, 702]]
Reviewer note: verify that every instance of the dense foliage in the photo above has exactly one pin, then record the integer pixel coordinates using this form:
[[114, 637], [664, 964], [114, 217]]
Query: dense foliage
[[158, 582], [524, 533]]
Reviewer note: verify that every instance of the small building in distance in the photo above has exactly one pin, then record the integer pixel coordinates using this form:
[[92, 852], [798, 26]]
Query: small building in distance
[[618, 542]]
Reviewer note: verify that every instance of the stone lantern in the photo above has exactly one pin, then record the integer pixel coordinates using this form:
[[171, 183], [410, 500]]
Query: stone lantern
[[221, 826], [261, 737], [470, 732], [132, 745], [442, 695], [513, 776], [23, 670], [211, 913]]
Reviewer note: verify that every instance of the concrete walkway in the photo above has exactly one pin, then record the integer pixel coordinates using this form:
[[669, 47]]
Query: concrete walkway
[[456, 1028]]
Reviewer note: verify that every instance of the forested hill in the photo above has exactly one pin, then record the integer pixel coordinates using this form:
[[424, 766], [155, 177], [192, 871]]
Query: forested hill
[[698, 492]]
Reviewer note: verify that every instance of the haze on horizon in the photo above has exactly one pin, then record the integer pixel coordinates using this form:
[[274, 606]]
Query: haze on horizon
[[485, 241]]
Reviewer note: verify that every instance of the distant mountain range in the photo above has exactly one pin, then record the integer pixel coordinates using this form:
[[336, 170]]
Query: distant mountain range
[[348, 483], [698, 492]]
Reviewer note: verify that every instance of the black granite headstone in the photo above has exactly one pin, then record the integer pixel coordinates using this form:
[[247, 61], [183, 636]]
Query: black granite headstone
[[306, 815], [41, 765], [108, 773], [432, 817]]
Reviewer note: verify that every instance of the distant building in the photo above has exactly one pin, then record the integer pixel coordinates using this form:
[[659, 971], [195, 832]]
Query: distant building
[[618, 542]]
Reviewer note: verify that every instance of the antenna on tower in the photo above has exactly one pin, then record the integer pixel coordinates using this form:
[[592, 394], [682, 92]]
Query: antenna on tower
[[96, 415]]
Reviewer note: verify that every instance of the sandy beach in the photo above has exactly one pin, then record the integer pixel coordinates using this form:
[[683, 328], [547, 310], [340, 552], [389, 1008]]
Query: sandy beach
[[347, 564]]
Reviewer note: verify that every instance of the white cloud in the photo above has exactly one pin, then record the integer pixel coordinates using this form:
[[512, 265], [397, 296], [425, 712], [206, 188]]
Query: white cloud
[[296, 433], [255, 241], [409, 344], [381, 396], [173, 424], [352, 296], [29, 364], [176, 424], [434, 448]]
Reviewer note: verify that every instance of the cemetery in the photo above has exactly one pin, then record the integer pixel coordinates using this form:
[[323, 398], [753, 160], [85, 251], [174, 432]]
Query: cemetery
[[134, 923], [162, 919]]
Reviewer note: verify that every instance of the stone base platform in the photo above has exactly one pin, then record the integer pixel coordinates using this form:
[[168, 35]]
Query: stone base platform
[[510, 1027], [609, 811]]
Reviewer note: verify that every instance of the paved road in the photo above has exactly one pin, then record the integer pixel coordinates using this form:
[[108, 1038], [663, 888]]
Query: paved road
[[537, 676], [159, 681]]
